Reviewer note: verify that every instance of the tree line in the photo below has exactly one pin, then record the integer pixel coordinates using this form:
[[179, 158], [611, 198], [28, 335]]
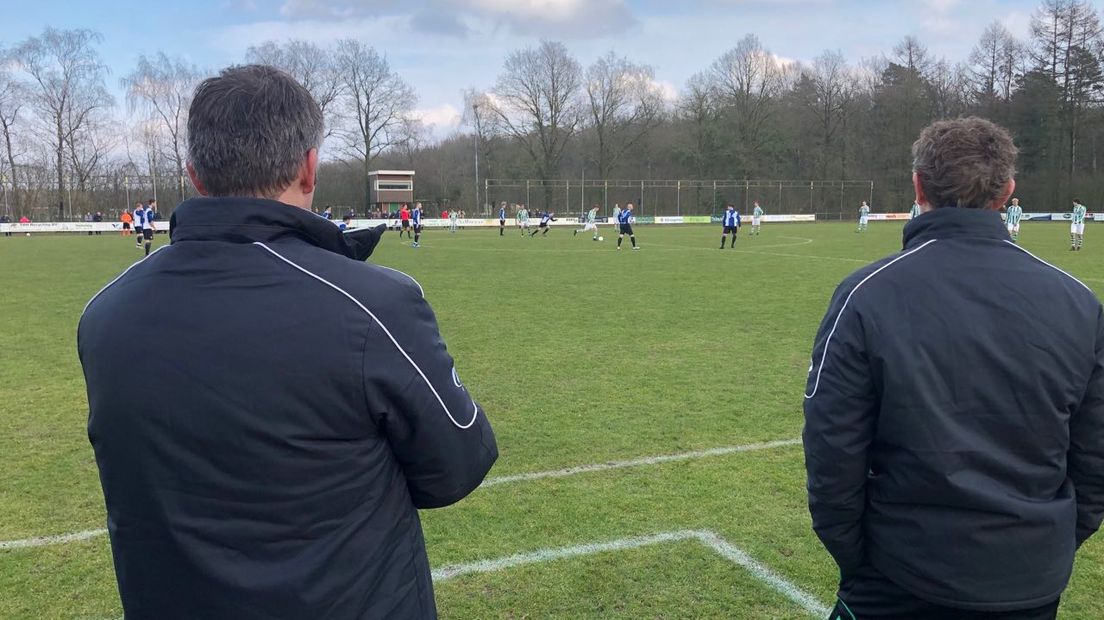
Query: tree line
[[67, 147]]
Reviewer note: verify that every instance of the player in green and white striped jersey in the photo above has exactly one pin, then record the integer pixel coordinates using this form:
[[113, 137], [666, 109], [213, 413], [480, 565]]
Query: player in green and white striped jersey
[[914, 212], [1077, 226], [591, 223], [1012, 218], [756, 219], [523, 219], [864, 217]]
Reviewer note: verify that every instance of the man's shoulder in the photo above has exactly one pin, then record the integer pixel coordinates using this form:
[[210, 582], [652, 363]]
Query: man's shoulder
[[869, 276], [368, 284]]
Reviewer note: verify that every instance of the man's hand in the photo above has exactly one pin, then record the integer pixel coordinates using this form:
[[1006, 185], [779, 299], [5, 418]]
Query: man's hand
[[362, 242]]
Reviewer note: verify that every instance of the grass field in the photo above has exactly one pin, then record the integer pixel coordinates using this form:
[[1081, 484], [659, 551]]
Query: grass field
[[581, 355]]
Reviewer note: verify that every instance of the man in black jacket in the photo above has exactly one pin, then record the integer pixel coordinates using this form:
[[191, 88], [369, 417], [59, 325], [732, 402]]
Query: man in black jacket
[[301, 404], [954, 411]]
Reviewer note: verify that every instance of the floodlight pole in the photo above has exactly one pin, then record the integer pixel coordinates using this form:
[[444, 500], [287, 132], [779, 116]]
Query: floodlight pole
[[475, 113]]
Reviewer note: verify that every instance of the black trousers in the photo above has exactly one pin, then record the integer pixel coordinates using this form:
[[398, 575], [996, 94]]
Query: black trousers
[[869, 594]]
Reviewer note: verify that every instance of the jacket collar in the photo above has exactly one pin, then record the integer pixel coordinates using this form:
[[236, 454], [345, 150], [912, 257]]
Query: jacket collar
[[954, 222], [248, 220]]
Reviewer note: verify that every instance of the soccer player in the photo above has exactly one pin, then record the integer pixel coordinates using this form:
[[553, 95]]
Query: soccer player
[[731, 222], [454, 222], [139, 213], [404, 217], [502, 219], [1012, 218], [546, 217], [148, 226], [616, 212], [346, 223], [756, 219], [127, 219], [416, 216], [624, 223], [864, 217], [1077, 226], [523, 219], [591, 223], [914, 212]]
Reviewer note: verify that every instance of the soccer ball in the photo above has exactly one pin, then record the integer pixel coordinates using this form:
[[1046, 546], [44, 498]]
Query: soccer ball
[[28, 234], [601, 238]]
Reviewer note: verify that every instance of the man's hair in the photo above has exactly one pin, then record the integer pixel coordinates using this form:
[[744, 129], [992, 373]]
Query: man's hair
[[1077, 200], [249, 129], [965, 162]]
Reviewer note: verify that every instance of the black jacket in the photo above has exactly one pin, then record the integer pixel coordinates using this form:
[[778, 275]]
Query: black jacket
[[269, 420], [954, 417]]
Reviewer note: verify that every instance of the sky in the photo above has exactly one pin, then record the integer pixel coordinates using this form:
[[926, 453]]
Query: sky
[[442, 47]]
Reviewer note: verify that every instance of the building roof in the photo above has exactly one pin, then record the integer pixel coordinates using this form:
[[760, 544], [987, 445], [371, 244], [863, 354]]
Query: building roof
[[409, 173]]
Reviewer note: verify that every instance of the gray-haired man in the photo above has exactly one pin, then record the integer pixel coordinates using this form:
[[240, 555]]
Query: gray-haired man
[[954, 471], [306, 404]]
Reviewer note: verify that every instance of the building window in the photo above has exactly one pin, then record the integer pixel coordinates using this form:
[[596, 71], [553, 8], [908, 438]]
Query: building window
[[394, 186]]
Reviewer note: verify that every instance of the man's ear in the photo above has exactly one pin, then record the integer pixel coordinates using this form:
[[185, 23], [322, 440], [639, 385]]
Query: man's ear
[[921, 199], [1004, 195], [195, 179], [308, 178]]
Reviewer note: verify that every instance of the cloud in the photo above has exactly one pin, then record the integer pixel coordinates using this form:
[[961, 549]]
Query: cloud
[[440, 119], [439, 23], [336, 9], [569, 19]]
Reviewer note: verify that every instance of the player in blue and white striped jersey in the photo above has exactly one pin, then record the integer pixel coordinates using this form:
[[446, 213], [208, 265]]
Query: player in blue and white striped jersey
[[624, 221], [546, 217], [731, 222], [416, 216], [139, 224], [147, 223], [502, 219]]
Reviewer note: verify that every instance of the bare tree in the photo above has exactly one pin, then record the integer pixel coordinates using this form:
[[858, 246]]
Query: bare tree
[[312, 66], [1069, 42], [748, 79], [833, 89], [162, 87], [12, 100], [376, 101], [624, 104], [994, 63], [697, 108], [913, 55], [67, 79], [536, 99]]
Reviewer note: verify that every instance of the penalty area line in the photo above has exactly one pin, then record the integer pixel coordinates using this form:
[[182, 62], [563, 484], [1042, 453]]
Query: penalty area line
[[638, 462], [709, 539], [61, 539]]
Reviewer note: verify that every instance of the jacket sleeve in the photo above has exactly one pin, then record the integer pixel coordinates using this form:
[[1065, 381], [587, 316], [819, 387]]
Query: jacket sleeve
[[437, 432], [840, 417], [1086, 453]]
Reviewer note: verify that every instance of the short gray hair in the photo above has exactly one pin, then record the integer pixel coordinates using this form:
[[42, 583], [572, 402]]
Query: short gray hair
[[965, 162], [249, 129]]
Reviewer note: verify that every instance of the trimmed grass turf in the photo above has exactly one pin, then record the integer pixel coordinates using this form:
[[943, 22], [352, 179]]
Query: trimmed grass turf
[[580, 354]]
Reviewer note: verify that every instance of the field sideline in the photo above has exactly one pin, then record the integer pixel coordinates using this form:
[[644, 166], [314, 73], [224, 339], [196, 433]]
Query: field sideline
[[646, 406]]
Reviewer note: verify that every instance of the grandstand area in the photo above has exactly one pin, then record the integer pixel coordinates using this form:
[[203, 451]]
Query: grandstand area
[[647, 407]]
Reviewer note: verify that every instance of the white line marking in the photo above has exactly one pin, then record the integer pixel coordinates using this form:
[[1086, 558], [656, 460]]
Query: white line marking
[[475, 408], [710, 539], [637, 462], [42, 541], [828, 340], [763, 573]]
